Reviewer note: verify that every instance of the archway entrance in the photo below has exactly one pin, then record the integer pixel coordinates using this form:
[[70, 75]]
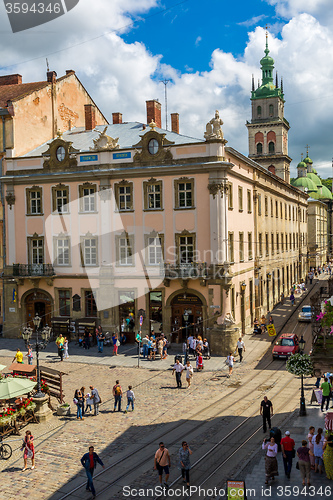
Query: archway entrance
[[186, 317], [38, 302]]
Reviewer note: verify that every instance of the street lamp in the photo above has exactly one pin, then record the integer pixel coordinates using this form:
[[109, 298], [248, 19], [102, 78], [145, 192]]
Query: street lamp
[[186, 317], [301, 344], [302, 409]]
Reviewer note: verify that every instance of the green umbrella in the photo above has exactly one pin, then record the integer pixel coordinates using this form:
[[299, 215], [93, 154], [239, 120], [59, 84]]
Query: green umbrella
[[12, 387], [2, 367]]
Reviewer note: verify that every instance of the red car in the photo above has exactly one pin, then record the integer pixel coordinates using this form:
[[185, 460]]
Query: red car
[[287, 344]]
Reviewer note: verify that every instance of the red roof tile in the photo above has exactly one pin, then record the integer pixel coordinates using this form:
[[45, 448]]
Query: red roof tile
[[16, 92]]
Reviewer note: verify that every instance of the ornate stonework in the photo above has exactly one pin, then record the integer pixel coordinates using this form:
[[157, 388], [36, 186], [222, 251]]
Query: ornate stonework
[[10, 198], [51, 161], [104, 142], [67, 115], [213, 128], [216, 187], [163, 153]]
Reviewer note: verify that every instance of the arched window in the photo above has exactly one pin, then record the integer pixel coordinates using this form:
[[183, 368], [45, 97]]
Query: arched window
[[259, 111], [271, 110], [259, 148], [271, 147]]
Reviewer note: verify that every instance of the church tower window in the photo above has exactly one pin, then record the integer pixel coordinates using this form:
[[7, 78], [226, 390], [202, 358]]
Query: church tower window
[[259, 148], [271, 147], [271, 110], [259, 111]]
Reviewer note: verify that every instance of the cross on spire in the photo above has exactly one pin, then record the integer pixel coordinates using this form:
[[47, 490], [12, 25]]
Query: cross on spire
[[307, 149]]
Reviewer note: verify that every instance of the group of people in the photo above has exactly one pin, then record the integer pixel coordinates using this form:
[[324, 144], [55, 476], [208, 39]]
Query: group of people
[[85, 401], [315, 452], [153, 346], [162, 462], [178, 368], [260, 327], [117, 393]]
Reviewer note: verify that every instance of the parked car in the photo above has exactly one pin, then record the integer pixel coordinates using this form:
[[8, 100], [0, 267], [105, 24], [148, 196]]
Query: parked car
[[305, 314], [287, 345]]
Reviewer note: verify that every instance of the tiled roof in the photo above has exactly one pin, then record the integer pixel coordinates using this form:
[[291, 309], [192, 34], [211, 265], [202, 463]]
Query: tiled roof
[[128, 133], [15, 92]]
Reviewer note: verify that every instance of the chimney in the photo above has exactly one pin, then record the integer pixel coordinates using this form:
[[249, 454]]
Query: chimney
[[51, 76], [117, 118], [70, 72], [271, 169], [154, 112], [90, 117], [175, 122], [11, 79]]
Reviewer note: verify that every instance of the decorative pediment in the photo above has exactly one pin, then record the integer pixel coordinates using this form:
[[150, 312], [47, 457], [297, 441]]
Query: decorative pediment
[[153, 147], [104, 142], [60, 155]]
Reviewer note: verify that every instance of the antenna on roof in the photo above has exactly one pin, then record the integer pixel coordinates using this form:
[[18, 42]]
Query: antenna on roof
[[47, 65], [166, 102]]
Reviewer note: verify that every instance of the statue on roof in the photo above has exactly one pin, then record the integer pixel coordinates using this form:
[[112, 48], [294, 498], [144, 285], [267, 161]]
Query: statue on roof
[[104, 141], [213, 128]]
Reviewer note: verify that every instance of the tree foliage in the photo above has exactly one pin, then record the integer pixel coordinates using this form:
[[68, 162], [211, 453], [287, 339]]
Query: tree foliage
[[299, 364]]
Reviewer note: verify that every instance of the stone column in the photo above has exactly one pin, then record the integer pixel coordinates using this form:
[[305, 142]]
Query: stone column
[[42, 411]]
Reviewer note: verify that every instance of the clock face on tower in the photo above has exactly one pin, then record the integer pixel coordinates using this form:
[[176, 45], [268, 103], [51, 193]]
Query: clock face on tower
[[60, 153]]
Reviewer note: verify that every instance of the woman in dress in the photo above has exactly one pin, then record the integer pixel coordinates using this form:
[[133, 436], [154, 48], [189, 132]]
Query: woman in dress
[[66, 348], [29, 450], [184, 462], [199, 362], [189, 373], [230, 360], [271, 465], [328, 457], [318, 442], [303, 453], [310, 436], [116, 344]]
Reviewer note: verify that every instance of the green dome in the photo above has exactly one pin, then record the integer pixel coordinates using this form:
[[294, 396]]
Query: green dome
[[316, 196], [314, 178], [326, 193], [314, 170], [308, 160], [267, 61], [301, 164], [305, 182]]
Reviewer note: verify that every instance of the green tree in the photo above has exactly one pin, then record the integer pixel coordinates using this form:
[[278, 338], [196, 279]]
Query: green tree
[[299, 364], [327, 183]]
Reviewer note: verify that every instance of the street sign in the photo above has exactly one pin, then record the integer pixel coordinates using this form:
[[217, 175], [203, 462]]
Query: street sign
[[271, 330]]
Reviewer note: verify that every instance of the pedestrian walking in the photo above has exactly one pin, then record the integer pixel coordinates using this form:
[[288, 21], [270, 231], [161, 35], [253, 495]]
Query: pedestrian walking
[[178, 368], [89, 462], [288, 453], [145, 341], [86, 340], [310, 437], [266, 410], [160, 347], [79, 402], [189, 372], [318, 443], [94, 394], [130, 398], [326, 388], [18, 358], [282, 298], [162, 462], [303, 453], [29, 355], [165, 347], [230, 360], [100, 339], [271, 465], [292, 299], [184, 462], [116, 344], [89, 402], [199, 362], [29, 450], [83, 390], [241, 348], [328, 456], [66, 356], [117, 394]]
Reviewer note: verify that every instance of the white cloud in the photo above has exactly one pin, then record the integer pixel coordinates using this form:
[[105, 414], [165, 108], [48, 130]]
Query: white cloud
[[198, 40], [290, 8], [251, 22]]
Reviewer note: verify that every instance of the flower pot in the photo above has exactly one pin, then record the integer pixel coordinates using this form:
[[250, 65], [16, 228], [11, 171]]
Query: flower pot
[[63, 410]]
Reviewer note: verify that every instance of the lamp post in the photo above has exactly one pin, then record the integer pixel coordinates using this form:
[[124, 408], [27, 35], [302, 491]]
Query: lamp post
[[243, 288], [186, 316], [302, 409]]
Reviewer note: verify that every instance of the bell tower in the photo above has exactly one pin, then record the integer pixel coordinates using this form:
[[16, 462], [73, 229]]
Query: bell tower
[[268, 129]]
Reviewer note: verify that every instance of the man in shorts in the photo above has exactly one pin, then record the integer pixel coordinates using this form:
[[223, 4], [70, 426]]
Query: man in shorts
[[162, 463]]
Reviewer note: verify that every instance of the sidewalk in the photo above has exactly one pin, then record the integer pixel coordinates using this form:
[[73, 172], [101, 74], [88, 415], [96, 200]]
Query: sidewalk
[[254, 473]]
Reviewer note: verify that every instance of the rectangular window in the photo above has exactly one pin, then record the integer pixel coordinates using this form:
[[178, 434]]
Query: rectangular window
[[186, 249], [125, 197], [233, 308], [267, 244], [184, 194], [231, 246], [285, 211], [289, 212], [249, 201], [276, 209], [249, 242], [87, 198], [64, 303], [272, 205], [153, 195], [260, 244], [90, 303], [241, 247], [125, 251], [277, 243], [259, 204], [89, 251], [290, 247], [266, 206], [272, 242], [240, 198], [281, 211], [34, 201], [60, 199], [282, 247], [230, 196], [155, 253], [62, 251], [37, 251]]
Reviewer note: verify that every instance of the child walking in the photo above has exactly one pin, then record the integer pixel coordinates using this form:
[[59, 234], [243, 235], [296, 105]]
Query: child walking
[[130, 398]]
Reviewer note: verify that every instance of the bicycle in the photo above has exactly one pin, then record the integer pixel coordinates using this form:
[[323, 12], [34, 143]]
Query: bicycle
[[5, 450]]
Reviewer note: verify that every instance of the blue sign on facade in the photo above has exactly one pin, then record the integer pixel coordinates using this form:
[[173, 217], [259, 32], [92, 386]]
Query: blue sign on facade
[[89, 158], [119, 156]]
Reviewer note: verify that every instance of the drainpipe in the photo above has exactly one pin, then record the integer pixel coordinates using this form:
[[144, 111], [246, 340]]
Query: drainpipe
[[3, 113]]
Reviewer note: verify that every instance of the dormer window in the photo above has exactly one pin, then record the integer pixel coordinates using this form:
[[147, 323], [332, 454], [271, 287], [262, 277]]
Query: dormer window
[[153, 146]]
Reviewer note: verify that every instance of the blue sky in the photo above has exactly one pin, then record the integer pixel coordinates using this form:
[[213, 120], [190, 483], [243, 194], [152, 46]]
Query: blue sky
[[121, 49]]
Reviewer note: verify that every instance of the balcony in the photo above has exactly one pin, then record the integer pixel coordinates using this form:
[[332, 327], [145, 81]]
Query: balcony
[[38, 270]]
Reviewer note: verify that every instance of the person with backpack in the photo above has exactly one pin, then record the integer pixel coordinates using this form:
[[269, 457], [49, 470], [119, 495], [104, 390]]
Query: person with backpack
[[117, 393], [162, 462]]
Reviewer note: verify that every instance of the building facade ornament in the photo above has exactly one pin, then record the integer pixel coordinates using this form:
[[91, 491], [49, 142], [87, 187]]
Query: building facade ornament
[[213, 128], [104, 142], [10, 198]]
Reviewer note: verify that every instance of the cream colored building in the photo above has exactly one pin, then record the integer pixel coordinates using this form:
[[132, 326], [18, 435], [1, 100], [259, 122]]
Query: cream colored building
[[318, 236]]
